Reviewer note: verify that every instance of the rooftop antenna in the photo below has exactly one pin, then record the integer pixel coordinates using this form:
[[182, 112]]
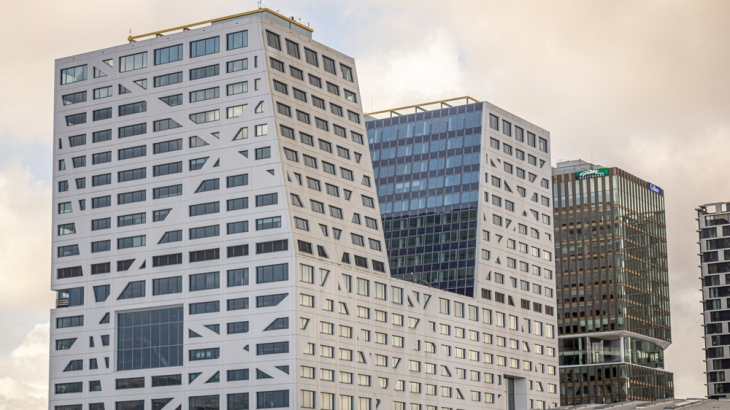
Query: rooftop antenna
[[259, 4]]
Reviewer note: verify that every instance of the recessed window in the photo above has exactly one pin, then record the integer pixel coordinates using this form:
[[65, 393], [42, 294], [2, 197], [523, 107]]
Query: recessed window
[[237, 40], [168, 54], [73, 74], [204, 47], [133, 62]]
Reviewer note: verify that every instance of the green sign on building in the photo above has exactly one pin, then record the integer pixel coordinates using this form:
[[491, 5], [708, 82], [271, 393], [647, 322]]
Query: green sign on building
[[592, 173]]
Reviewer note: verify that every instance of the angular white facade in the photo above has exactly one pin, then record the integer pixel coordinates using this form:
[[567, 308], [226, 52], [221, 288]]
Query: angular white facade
[[218, 243]]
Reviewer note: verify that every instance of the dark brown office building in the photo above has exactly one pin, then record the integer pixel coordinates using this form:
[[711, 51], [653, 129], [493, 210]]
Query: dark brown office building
[[612, 285]]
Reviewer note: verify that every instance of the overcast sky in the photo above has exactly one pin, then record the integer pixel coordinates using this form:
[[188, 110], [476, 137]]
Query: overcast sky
[[640, 85]]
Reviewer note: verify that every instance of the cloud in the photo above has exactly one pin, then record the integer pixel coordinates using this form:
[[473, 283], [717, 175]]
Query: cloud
[[404, 75], [24, 373]]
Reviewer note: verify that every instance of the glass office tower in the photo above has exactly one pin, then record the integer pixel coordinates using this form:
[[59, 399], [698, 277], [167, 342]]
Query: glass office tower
[[612, 281]]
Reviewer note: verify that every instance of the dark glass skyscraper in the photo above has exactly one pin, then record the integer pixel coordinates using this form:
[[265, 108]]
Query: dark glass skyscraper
[[427, 165], [612, 281]]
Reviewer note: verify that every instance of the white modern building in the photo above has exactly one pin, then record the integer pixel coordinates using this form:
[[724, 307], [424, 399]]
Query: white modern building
[[713, 224], [217, 242]]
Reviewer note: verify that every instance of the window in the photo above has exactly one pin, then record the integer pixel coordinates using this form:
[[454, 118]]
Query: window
[[128, 109], [296, 73], [131, 242], [236, 204], [100, 136], [167, 169], [99, 93], [76, 119], [79, 162], [303, 117], [329, 65], [204, 307], [166, 260], [367, 201], [272, 273], [167, 286], [276, 64], [347, 174], [202, 354], [133, 62], [263, 153], [204, 281], [235, 111], [204, 47], [167, 191], [237, 65], [132, 130], [73, 74], [266, 199], [169, 321], [283, 109], [272, 399], [207, 116], [237, 40], [204, 255]]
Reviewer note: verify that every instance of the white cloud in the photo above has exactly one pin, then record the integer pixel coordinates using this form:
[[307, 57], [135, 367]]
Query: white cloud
[[404, 75], [24, 372]]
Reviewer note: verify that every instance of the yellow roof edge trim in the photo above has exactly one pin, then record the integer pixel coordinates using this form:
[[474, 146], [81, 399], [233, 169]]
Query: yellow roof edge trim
[[133, 39], [393, 110]]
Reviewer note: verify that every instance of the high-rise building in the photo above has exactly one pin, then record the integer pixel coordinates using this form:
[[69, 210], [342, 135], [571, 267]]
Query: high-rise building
[[238, 148], [714, 238], [465, 204], [612, 281]]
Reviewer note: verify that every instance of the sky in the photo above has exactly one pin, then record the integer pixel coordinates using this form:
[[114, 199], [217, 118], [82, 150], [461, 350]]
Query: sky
[[639, 85]]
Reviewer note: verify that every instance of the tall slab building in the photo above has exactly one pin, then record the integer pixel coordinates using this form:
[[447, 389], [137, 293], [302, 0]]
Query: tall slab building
[[217, 242], [612, 280], [464, 197], [714, 239]]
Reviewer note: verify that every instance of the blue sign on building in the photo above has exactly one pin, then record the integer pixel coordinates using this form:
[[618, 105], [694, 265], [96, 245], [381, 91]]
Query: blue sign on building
[[654, 188]]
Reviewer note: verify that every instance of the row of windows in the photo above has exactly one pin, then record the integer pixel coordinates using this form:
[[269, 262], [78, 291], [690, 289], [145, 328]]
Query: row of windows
[[195, 256], [428, 368], [292, 48], [167, 169], [305, 117], [317, 82], [163, 55], [234, 401], [425, 127], [519, 134]]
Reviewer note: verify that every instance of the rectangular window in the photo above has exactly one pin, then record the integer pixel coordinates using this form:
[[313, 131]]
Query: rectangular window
[[73, 74], [133, 108], [168, 79], [133, 62], [237, 65], [206, 94], [99, 93], [168, 54], [296, 73], [132, 130], [277, 65], [267, 199], [204, 72], [204, 47], [237, 40], [167, 169], [236, 204]]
